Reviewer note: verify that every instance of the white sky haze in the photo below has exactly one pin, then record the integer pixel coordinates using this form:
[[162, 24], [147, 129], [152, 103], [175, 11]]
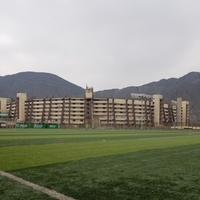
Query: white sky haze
[[102, 43]]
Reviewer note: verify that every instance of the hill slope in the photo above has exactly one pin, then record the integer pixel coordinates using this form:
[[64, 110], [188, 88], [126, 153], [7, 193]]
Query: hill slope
[[38, 85], [187, 87], [41, 85]]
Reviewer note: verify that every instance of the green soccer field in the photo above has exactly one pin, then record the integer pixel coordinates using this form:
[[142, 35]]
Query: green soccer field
[[101, 164]]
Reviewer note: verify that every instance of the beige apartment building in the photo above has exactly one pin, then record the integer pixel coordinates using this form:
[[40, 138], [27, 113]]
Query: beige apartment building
[[139, 110]]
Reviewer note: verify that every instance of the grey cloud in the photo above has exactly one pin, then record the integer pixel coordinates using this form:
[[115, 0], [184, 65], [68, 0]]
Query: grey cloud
[[102, 43]]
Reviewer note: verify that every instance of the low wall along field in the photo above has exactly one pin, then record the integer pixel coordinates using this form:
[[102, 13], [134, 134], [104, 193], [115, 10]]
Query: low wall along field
[[36, 125], [102, 164]]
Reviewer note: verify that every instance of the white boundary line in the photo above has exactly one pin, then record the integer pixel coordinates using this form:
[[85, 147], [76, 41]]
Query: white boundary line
[[47, 191]]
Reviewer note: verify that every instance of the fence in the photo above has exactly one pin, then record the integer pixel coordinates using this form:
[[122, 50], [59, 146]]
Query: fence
[[36, 125]]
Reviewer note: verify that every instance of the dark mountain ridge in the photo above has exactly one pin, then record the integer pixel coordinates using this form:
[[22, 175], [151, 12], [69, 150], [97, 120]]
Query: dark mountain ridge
[[41, 85], [186, 87], [38, 85]]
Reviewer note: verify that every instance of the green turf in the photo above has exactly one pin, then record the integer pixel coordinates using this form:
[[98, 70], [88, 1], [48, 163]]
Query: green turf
[[168, 173], [11, 190], [86, 144], [106, 164]]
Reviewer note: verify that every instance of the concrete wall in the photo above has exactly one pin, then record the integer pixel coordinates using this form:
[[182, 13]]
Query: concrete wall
[[185, 113], [157, 109], [22, 97], [3, 104], [3, 107]]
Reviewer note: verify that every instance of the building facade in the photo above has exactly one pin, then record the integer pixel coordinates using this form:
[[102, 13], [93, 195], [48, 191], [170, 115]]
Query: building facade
[[93, 112]]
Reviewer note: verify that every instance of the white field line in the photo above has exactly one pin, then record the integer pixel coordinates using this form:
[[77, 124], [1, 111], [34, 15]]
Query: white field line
[[47, 191]]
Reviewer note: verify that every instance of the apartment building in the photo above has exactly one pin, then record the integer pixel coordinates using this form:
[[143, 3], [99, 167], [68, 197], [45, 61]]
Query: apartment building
[[89, 112]]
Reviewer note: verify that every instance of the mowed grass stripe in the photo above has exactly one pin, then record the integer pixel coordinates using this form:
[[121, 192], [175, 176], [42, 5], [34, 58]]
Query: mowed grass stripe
[[80, 138], [167, 173], [71, 133], [19, 157], [38, 137]]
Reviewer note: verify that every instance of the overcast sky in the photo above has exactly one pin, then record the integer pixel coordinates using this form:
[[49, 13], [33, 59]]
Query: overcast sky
[[101, 43]]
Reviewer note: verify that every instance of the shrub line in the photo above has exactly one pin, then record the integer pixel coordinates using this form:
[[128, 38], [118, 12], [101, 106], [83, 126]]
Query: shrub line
[[47, 191]]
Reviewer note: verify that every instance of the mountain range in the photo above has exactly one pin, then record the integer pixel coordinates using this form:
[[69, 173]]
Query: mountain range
[[41, 85]]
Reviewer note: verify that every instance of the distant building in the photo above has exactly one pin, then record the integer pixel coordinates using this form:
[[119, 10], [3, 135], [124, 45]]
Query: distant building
[[138, 111]]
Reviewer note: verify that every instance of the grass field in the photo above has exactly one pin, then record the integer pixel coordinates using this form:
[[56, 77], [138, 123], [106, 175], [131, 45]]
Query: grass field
[[102, 164]]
